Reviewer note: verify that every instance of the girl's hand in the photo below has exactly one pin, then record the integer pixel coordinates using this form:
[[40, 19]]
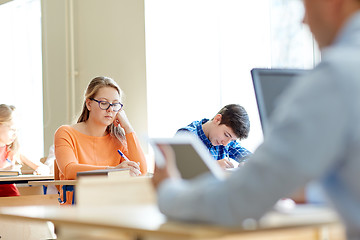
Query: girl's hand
[[133, 166], [11, 166], [122, 120], [16, 167], [8, 167], [42, 170]]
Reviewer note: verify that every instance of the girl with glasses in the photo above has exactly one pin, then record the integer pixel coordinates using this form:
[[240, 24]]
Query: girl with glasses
[[100, 131], [9, 150]]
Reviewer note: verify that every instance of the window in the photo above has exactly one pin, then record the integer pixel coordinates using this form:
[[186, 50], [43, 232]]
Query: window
[[21, 70], [200, 52]]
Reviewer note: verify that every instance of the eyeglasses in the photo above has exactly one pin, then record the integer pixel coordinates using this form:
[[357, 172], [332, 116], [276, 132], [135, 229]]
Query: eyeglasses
[[105, 105]]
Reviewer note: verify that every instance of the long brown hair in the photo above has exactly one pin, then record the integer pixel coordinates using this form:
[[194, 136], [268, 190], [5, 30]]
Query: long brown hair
[[6, 115], [92, 89]]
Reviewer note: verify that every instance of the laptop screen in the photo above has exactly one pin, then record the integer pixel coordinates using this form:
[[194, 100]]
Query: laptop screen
[[268, 85]]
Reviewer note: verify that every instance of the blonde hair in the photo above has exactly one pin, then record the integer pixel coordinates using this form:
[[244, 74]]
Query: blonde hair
[[6, 115], [93, 87]]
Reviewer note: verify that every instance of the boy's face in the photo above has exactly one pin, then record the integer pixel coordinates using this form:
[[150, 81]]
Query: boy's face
[[220, 134]]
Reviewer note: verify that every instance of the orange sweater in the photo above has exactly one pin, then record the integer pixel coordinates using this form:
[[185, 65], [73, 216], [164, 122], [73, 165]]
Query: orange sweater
[[76, 152]]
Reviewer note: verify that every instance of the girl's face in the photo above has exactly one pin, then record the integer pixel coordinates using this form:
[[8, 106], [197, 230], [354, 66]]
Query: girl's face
[[7, 133], [100, 116]]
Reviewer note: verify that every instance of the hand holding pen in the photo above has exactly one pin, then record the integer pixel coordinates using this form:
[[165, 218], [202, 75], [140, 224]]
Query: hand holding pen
[[10, 162], [123, 155], [225, 163], [11, 166], [133, 166]]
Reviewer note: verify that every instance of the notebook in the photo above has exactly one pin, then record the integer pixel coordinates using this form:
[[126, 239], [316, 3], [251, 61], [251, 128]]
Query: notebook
[[105, 172], [268, 85], [7, 173], [192, 157]]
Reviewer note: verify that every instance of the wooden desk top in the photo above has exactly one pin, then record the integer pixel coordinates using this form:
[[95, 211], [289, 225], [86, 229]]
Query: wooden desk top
[[53, 182], [147, 220], [24, 178]]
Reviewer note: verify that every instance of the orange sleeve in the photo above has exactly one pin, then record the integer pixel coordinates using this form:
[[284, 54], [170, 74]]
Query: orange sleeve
[[66, 156], [134, 151]]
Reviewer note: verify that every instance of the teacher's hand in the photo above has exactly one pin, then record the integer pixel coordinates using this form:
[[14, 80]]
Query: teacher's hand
[[169, 170]]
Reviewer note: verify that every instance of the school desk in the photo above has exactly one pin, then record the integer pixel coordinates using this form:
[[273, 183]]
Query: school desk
[[22, 182], [53, 182], [24, 178], [145, 222]]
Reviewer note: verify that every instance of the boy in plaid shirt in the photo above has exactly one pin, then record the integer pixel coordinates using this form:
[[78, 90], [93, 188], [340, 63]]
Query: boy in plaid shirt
[[221, 134]]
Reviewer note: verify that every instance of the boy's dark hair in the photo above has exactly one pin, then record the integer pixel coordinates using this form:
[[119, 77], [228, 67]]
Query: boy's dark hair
[[236, 117]]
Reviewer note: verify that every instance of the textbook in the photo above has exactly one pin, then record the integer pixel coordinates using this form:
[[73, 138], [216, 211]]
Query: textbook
[[106, 172], [6, 173]]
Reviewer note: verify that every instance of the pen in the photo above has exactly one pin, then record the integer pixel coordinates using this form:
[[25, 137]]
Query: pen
[[123, 155]]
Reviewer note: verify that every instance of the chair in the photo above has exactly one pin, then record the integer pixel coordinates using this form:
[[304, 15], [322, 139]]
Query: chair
[[56, 174], [67, 190]]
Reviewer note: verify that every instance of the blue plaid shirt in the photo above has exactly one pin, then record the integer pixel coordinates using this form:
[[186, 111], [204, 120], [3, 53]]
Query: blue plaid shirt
[[233, 150]]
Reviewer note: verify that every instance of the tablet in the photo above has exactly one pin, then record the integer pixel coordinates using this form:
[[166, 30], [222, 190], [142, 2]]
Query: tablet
[[192, 157]]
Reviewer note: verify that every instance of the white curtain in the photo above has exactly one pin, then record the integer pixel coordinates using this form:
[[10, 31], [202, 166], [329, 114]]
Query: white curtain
[[21, 70]]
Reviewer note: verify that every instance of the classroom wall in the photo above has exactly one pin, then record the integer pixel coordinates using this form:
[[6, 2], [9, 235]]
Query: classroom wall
[[87, 38]]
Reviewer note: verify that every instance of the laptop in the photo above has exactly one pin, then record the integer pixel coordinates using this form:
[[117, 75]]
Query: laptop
[[268, 85], [192, 157]]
